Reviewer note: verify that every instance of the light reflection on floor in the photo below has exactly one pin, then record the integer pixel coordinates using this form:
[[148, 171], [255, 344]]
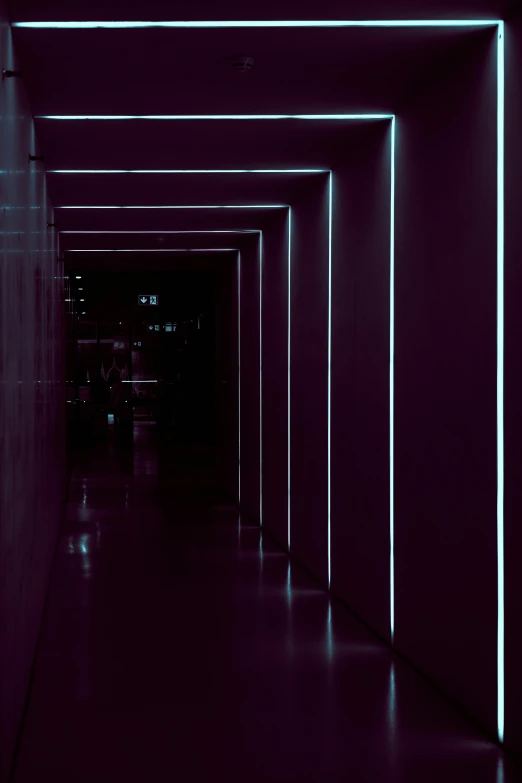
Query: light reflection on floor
[[181, 643]]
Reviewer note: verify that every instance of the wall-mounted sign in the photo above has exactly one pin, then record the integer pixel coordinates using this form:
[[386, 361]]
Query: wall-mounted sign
[[148, 300], [153, 327], [137, 344]]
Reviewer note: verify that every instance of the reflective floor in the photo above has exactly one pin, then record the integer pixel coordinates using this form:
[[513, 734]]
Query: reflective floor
[[181, 645]]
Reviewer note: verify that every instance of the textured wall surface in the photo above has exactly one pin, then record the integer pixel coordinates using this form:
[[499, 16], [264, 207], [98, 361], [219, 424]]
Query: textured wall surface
[[31, 399]]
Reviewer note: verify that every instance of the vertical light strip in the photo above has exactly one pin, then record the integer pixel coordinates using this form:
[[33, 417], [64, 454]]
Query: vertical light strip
[[239, 374], [500, 381], [288, 368], [261, 378], [330, 209], [392, 361]]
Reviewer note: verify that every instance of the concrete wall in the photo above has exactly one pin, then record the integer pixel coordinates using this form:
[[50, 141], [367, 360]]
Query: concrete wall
[[360, 542], [275, 377], [32, 410], [445, 382]]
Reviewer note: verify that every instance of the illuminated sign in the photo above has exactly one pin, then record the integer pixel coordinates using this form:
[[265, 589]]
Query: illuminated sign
[[148, 300]]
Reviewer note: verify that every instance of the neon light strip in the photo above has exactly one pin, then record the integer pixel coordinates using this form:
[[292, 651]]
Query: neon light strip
[[263, 23], [392, 378], [330, 209], [239, 372], [156, 250], [203, 231], [261, 378], [197, 206], [500, 381], [234, 117], [288, 372], [186, 171]]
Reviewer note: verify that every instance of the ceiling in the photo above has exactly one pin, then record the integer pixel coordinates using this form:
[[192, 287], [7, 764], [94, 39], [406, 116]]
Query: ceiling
[[328, 70], [268, 9], [133, 245], [171, 71]]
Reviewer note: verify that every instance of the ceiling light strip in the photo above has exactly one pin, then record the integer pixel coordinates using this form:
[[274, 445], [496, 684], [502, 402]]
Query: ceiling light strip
[[157, 250], [204, 231], [176, 206], [187, 171], [233, 117], [220, 24]]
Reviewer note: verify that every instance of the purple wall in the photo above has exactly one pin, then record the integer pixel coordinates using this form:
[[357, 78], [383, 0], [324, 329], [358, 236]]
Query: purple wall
[[32, 410], [360, 543], [513, 386], [445, 381], [249, 375], [309, 379], [275, 377]]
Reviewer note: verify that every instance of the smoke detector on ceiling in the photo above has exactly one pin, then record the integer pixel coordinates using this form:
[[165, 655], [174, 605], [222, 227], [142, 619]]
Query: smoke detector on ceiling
[[242, 62]]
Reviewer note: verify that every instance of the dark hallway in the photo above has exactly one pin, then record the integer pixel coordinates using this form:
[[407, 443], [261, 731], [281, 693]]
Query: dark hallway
[[181, 644], [260, 391]]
